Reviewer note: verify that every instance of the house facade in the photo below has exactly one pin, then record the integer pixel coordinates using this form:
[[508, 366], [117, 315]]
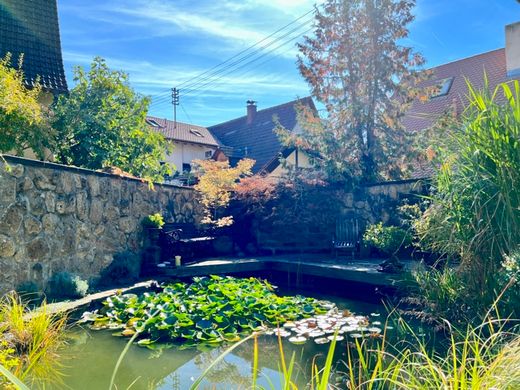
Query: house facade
[[252, 136], [191, 142]]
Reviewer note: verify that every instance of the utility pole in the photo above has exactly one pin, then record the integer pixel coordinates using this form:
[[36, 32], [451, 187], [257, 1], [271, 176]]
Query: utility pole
[[175, 102]]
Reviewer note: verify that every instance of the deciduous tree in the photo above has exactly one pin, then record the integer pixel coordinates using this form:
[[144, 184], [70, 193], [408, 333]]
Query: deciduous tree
[[102, 123], [217, 181]]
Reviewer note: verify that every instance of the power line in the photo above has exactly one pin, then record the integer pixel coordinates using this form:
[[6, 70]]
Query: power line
[[237, 64], [225, 72], [247, 71], [247, 49], [194, 86], [190, 83], [244, 65]]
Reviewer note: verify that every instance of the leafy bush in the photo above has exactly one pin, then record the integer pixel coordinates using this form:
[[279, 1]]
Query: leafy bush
[[388, 239], [65, 285], [208, 310], [153, 221], [29, 291], [124, 268], [23, 120]]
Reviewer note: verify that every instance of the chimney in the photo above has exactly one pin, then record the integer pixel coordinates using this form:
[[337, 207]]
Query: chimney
[[251, 111], [513, 49]]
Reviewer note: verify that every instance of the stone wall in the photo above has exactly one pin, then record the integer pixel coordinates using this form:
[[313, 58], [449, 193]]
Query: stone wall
[[314, 233], [57, 218]]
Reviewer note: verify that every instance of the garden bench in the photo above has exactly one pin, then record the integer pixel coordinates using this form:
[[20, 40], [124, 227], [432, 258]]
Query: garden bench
[[346, 237], [183, 239]]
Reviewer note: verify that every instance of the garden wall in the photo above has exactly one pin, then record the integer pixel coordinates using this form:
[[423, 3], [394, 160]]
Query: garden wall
[[57, 218], [311, 225]]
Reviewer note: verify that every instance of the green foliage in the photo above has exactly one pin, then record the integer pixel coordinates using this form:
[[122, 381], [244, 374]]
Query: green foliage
[[124, 268], [153, 221], [474, 212], [23, 120], [29, 291], [35, 336], [209, 310], [65, 285], [358, 69], [102, 123], [388, 239]]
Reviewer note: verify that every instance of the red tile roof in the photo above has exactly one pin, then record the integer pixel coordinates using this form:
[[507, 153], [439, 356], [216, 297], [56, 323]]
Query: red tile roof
[[182, 132], [422, 115], [258, 140]]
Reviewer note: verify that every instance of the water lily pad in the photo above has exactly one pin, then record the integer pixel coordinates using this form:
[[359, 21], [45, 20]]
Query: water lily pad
[[321, 340], [298, 340], [374, 330], [338, 338], [356, 335]]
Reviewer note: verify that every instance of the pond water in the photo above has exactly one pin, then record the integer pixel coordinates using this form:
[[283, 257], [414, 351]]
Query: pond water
[[92, 356]]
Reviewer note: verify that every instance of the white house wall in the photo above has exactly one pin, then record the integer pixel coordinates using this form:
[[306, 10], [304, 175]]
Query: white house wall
[[184, 153]]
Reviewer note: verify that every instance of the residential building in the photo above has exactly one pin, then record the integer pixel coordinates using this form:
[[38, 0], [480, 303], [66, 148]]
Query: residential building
[[498, 66], [191, 142], [253, 136]]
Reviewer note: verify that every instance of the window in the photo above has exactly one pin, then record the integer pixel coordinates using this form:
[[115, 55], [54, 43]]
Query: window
[[442, 87], [196, 132], [186, 167], [208, 153], [152, 123]]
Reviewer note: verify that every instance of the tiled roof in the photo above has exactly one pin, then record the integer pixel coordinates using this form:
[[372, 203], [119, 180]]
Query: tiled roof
[[258, 140], [423, 114], [31, 27], [183, 132]]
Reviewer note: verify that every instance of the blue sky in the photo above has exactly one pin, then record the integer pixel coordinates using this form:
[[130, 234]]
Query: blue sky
[[165, 43]]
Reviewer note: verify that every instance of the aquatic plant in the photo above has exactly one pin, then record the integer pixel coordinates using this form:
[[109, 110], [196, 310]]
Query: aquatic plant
[[209, 310], [30, 341]]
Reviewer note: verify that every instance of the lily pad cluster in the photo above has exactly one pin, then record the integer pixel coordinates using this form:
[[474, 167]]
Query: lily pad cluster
[[210, 310], [324, 327]]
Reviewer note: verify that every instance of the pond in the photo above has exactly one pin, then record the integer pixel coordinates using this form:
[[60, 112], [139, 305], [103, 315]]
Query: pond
[[92, 356]]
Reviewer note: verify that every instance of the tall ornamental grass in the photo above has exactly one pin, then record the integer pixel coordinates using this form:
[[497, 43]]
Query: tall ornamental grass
[[475, 203]]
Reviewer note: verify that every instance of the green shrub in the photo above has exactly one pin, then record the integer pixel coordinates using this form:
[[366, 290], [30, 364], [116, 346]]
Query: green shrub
[[29, 291], [124, 268], [65, 285], [388, 239], [153, 221]]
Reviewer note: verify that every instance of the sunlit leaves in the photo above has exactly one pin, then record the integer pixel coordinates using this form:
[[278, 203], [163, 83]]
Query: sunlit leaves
[[101, 123]]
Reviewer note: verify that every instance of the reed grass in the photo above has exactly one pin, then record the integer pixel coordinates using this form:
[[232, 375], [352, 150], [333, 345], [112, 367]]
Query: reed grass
[[35, 337]]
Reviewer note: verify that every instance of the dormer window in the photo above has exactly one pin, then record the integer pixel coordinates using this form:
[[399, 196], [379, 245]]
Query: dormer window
[[442, 87], [196, 133], [153, 123]]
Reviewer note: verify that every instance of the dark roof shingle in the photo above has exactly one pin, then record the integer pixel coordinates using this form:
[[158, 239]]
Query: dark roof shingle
[[31, 28], [258, 140], [182, 132]]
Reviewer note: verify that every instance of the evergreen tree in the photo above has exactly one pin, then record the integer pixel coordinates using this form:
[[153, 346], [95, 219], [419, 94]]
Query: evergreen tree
[[359, 70]]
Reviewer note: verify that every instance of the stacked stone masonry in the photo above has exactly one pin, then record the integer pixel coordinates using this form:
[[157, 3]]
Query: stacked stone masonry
[[55, 218]]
